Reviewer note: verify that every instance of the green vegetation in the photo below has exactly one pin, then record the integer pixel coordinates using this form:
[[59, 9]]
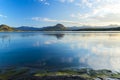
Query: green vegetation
[[84, 74], [117, 75], [4, 27], [88, 74], [12, 73]]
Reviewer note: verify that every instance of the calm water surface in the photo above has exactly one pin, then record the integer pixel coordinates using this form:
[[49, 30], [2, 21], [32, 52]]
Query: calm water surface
[[58, 50]]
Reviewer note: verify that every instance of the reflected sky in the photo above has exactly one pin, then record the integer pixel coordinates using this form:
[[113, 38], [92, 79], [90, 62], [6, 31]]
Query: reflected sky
[[60, 50]]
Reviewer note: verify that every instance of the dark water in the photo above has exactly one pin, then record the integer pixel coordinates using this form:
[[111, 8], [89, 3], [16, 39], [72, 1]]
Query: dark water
[[58, 50]]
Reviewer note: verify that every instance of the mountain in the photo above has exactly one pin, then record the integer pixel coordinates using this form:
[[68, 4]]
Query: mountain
[[99, 29], [27, 28], [4, 27], [61, 27], [77, 27], [58, 27]]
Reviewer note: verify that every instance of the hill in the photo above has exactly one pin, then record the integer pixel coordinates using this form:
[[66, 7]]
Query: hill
[[58, 27], [4, 27]]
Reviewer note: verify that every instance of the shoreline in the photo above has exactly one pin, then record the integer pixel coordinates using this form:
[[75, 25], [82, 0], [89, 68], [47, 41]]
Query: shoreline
[[66, 74], [64, 31]]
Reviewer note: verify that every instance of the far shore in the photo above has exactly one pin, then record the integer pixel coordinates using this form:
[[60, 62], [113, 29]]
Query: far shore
[[67, 31]]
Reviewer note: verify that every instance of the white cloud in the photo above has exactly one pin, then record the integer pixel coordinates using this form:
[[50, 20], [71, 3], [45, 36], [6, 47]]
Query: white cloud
[[73, 15], [44, 2], [58, 0], [3, 16], [62, 0], [41, 0], [108, 18], [99, 11], [87, 2], [36, 18], [92, 12], [67, 1], [54, 20], [49, 20]]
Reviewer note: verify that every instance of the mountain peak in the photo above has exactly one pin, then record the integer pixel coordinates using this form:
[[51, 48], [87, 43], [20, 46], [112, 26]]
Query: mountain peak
[[59, 25]]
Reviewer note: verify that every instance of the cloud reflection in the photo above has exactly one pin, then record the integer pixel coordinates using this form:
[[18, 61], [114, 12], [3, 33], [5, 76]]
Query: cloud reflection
[[102, 51], [37, 44]]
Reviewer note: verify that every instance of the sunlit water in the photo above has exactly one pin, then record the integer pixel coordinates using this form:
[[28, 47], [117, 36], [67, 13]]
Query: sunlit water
[[51, 50]]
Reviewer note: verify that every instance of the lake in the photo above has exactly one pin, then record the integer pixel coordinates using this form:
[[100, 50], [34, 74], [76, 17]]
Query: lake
[[60, 50]]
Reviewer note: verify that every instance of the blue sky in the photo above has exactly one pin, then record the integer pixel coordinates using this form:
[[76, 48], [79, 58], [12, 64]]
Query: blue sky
[[41, 13]]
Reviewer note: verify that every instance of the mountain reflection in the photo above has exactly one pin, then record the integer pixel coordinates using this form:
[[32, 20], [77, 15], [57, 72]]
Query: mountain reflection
[[58, 35]]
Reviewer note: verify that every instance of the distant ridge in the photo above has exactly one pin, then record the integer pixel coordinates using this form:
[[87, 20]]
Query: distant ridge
[[99, 29], [60, 27], [27, 28]]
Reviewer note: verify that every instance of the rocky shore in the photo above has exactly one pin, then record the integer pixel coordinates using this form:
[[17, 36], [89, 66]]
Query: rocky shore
[[68, 74]]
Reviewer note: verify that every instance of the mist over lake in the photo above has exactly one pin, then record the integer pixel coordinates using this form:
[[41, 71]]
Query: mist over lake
[[60, 50]]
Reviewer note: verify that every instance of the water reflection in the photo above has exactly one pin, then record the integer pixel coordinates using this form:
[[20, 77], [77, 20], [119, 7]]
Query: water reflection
[[5, 41], [65, 50], [101, 51], [58, 35]]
